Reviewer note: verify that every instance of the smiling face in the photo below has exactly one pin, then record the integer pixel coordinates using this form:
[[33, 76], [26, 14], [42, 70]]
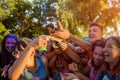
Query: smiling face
[[10, 44], [98, 56], [94, 33], [111, 51]]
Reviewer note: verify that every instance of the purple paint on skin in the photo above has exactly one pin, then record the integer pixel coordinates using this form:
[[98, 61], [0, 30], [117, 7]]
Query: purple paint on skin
[[9, 44]]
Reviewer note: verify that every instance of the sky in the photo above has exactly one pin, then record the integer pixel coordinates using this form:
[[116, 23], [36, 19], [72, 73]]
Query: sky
[[30, 0]]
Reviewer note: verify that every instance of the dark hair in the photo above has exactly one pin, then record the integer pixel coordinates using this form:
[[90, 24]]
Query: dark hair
[[7, 57], [22, 43], [100, 43], [96, 24], [10, 35]]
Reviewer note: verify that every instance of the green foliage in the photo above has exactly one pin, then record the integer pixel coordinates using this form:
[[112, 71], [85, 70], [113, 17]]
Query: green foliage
[[3, 31], [6, 7], [30, 18]]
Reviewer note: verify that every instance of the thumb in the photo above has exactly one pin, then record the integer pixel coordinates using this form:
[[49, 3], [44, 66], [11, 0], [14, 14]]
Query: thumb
[[59, 25]]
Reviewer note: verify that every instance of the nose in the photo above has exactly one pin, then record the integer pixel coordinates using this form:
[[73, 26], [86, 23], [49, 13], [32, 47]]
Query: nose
[[104, 49], [96, 57]]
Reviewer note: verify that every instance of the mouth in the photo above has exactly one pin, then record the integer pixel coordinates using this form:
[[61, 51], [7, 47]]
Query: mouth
[[10, 48], [91, 36], [106, 55]]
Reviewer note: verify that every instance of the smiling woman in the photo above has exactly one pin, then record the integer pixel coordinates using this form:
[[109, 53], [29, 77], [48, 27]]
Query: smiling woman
[[8, 46], [111, 69]]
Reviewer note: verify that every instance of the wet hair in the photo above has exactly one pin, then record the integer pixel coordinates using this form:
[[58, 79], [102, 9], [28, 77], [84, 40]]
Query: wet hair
[[10, 35], [96, 24]]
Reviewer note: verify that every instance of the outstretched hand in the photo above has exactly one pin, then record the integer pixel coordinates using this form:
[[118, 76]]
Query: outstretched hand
[[41, 41], [64, 34]]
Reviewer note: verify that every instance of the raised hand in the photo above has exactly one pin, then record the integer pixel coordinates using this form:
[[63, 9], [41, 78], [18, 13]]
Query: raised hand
[[64, 34], [39, 42], [59, 25]]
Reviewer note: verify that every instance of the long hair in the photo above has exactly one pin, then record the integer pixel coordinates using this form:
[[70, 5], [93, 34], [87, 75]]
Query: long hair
[[116, 68], [7, 57]]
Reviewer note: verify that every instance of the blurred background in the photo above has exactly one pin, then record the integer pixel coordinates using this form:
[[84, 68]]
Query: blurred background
[[29, 18]]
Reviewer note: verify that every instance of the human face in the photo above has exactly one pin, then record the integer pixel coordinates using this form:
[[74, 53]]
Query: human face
[[111, 51], [98, 56], [10, 44], [94, 33]]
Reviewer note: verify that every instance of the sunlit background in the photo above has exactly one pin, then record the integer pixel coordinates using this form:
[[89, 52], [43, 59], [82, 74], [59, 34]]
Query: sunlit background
[[31, 17]]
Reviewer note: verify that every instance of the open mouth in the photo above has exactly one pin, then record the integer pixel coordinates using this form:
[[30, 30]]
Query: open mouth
[[91, 36], [106, 55]]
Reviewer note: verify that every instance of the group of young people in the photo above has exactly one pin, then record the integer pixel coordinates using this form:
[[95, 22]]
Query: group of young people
[[66, 57]]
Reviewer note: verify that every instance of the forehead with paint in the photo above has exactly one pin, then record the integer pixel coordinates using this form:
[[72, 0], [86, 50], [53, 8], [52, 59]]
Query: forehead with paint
[[10, 44], [95, 32]]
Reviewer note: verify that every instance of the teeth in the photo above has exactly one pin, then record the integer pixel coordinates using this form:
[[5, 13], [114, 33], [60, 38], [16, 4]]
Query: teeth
[[106, 55]]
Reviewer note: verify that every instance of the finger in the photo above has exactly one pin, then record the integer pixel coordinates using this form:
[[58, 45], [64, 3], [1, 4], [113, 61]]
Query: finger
[[59, 25]]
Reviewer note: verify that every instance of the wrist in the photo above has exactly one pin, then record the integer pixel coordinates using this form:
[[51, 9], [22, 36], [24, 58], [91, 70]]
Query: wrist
[[70, 37], [31, 48]]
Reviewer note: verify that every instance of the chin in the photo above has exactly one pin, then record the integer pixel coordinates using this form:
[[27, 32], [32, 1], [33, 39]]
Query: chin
[[107, 60]]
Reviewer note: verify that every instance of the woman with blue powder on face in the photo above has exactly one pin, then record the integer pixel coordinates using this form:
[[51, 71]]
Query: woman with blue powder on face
[[7, 47]]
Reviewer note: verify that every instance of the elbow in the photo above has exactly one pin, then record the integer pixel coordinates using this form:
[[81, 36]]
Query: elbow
[[12, 77]]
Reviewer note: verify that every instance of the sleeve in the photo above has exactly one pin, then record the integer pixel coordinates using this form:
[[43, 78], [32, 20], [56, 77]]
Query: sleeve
[[100, 75], [117, 76]]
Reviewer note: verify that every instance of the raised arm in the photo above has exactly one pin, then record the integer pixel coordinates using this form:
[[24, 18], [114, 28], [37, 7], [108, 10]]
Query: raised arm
[[18, 66]]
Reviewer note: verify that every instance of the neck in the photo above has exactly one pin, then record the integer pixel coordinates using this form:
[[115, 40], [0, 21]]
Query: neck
[[114, 63], [32, 65]]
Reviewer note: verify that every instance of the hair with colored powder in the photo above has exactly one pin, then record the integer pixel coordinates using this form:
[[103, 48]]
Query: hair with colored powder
[[10, 35]]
